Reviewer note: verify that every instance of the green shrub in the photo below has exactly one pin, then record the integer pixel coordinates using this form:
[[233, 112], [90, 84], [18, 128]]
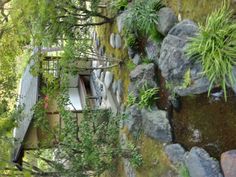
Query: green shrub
[[130, 40], [148, 96], [119, 4], [142, 16], [215, 48]]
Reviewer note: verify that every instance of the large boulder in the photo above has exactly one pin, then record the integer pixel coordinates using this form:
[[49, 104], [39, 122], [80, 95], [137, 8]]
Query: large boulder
[[200, 164], [141, 75], [175, 153], [174, 63], [156, 125], [228, 163], [153, 49], [166, 20], [134, 119]]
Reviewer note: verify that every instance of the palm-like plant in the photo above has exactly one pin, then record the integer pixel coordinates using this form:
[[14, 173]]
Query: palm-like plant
[[215, 48]]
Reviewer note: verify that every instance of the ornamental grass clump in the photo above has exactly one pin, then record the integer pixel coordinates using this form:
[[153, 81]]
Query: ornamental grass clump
[[215, 48], [142, 16]]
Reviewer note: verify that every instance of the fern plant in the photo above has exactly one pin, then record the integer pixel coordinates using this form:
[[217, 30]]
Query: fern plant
[[215, 48], [148, 96]]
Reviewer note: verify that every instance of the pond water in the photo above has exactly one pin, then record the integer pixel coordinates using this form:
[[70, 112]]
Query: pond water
[[206, 122]]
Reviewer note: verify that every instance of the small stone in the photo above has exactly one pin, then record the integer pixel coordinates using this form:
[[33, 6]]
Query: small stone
[[112, 40], [102, 76], [101, 51], [166, 20], [97, 43], [119, 87], [108, 79], [97, 73], [114, 86], [137, 59], [228, 163], [117, 41], [121, 20], [175, 153], [131, 53]]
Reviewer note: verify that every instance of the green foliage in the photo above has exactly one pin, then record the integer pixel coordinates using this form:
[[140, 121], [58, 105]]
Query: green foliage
[[146, 60], [131, 100], [130, 40], [119, 4], [148, 96], [142, 17], [136, 159], [187, 79], [130, 65], [183, 171], [215, 48]]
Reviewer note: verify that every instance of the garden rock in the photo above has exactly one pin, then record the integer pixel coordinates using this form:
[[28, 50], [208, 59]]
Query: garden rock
[[134, 120], [184, 29], [112, 40], [142, 75], [175, 153], [174, 64], [228, 163], [166, 20], [102, 76], [234, 75], [156, 125], [199, 83], [119, 87], [153, 50], [137, 59], [108, 79], [131, 52], [117, 41], [101, 51], [114, 86], [121, 21], [200, 164]]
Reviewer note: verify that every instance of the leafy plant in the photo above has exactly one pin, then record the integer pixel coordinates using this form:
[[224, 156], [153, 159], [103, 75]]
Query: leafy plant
[[142, 16], [131, 100], [136, 159], [147, 97], [119, 4], [187, 79], [130, 40], [130, 65], [183, 171], [215, 48]]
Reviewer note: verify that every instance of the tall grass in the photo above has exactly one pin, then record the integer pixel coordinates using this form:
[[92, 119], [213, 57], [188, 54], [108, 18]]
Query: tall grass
[[215, 48], [142, 16]]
